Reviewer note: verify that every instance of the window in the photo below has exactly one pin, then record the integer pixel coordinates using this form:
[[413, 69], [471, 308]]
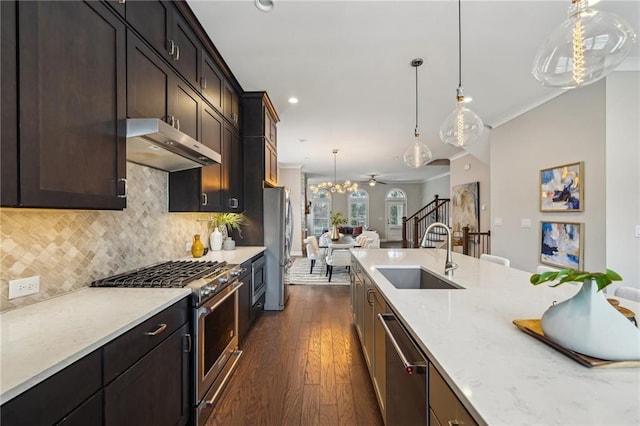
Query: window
[[396, 201], [359, 208], [321, 211]]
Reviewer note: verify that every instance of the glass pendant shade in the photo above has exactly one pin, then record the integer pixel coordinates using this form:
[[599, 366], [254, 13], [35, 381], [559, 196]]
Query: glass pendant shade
[[334, 187], [418, 154], [461, 126], [585, 48]]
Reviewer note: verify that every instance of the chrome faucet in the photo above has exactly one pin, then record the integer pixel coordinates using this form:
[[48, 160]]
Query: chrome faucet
[[449, 265]]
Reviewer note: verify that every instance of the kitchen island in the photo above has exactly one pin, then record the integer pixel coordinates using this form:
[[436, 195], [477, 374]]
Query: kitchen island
[[501, 375]]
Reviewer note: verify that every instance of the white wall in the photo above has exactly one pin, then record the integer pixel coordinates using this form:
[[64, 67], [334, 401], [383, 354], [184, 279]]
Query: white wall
[[467, 169], [440, 185], [567, 129], [623, 175], [291, 177]]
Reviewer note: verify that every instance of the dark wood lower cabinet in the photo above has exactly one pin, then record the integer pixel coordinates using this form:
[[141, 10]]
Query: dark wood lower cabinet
[[154, 391], [142, 377], [57, 397], [244, 302]]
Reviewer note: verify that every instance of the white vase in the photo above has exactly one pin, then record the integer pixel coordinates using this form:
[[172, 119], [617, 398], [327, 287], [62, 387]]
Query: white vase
[[588, 324], [215, 240]]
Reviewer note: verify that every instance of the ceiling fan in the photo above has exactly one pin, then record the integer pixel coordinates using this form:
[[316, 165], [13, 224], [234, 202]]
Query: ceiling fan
[[373, 181]]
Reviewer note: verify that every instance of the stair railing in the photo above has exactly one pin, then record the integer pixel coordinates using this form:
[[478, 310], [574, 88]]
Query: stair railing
[[475, 243], [414, 226]]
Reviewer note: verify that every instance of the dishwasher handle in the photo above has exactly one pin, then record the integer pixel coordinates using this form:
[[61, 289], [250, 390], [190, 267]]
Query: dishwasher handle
[[410, 368]]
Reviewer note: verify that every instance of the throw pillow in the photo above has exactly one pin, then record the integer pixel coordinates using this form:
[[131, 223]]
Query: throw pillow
[[357, 231]]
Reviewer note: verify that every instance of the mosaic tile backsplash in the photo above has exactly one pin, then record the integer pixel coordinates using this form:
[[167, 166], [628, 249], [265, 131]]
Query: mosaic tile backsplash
[[70, 248]]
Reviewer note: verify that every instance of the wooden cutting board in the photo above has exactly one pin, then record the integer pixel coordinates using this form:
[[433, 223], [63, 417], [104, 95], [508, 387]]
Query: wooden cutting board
[[533, 328]]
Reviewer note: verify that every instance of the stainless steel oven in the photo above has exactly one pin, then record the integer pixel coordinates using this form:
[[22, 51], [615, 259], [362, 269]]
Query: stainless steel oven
[[216, 335]]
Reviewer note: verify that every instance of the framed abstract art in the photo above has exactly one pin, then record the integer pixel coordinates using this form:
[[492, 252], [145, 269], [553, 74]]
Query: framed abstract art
[[561, 244], [562, 188]]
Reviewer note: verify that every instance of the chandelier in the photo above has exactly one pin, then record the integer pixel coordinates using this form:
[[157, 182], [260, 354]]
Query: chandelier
[[347, 186]]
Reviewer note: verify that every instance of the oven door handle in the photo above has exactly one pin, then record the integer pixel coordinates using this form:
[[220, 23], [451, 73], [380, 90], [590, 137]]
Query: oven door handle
[[205, 310]]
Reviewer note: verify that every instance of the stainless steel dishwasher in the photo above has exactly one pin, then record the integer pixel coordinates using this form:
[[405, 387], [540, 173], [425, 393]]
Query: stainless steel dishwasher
[[406, 373]]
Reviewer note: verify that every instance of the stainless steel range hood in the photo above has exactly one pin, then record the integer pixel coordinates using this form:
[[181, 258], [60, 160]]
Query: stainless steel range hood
[[154, 143]]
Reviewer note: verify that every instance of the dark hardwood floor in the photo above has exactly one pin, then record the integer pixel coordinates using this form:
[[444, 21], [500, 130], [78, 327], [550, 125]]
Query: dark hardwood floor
[[302, 366]]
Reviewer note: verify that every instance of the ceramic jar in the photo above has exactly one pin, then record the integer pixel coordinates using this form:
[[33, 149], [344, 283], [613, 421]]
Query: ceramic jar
[[197, 248], [588, 324], [215, 240]]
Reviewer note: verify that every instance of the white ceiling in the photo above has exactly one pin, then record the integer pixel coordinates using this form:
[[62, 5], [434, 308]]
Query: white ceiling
[[348, 62]]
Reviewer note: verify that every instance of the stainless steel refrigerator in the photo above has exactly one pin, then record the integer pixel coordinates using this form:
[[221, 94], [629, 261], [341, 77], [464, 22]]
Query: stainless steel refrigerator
[[278, 228]]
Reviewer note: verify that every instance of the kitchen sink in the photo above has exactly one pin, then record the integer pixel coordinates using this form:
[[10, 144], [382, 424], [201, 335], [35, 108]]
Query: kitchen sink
[[416, 279]]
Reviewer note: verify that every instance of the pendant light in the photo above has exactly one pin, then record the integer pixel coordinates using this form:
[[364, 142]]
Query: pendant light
[[585, 48], [462, 125], [334, 186], [418, 154]]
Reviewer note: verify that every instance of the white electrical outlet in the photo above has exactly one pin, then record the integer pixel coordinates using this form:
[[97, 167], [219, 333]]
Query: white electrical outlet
[[24, 286], [637, 231], [497, 221], [187, 246], [525, 223]]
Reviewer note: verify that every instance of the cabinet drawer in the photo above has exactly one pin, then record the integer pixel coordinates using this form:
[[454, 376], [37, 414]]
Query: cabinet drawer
[[444, 404], [51, 400], [122, 352], [89, 413]]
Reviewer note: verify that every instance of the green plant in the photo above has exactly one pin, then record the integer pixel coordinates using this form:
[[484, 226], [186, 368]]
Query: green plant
[[338, 218], [228, 220], [568, 275]]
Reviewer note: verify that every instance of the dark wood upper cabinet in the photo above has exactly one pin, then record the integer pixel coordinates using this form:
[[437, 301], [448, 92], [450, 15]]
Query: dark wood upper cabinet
[[185, 105], [231, 105], [72, 106], [152, 20], [9, 106], [187, 55], [148, 81], [233, 176], [211, 82]]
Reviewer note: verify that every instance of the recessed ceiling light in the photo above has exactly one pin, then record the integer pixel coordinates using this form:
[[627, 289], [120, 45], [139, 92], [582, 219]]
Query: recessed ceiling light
[[303, 140], [264, 5], [293, 100]]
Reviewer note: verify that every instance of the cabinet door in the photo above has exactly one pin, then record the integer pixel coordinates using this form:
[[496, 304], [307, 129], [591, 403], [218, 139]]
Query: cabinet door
[[185, 106], [271, 165], [211, 82], [368, 322], [187, 55], [152, 19], [55, 398], [379, 349], [244, 302], [231, 105], [235, 198], [212, 176], [72, 105], [9, 106], [148, 81], [155, 390]]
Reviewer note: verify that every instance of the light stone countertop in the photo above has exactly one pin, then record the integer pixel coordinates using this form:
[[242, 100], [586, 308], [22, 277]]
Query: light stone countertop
[[502, 375], [41, 339], [232, 257]]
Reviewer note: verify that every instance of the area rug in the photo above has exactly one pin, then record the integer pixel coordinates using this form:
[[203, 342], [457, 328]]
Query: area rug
[[299, 273]]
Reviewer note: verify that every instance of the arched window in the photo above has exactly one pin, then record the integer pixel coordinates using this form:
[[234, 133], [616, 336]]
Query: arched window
[[321, 211], [359, 208]]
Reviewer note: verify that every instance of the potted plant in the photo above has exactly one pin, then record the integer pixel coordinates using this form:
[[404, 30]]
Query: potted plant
[[219, 226], [587, 323], [336, 220]]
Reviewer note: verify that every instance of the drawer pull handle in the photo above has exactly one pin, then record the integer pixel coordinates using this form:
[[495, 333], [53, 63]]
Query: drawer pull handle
[[455, 422], [188, 343], [159, 329]]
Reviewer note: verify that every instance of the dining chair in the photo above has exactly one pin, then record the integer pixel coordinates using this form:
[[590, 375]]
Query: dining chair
[[626, 292], [495, 259], [313, 253], [338, 257]]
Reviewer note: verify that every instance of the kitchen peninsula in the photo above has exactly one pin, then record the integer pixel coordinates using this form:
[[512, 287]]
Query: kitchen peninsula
[[501, 375]]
